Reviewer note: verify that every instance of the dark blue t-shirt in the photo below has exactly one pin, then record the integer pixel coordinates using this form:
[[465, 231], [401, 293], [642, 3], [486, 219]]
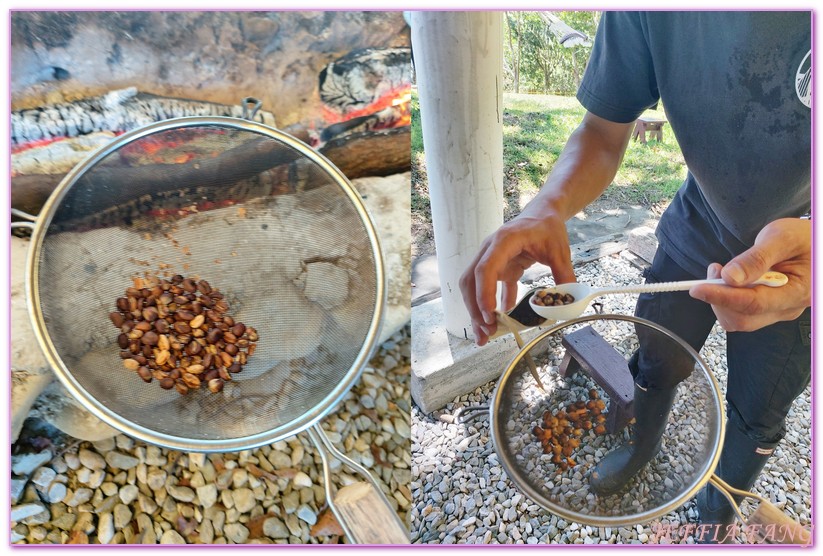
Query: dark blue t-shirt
[[735, 88]]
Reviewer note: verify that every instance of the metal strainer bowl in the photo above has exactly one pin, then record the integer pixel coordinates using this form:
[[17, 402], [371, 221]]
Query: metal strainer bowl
[[691, 443], [266, 220]]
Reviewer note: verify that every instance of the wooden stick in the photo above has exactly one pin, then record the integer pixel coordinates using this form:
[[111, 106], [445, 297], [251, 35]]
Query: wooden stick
[[359, 504], [511, 324], [774, 527]]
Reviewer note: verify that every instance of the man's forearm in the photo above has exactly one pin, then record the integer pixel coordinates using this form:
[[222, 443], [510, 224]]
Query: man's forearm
[[585, 168]]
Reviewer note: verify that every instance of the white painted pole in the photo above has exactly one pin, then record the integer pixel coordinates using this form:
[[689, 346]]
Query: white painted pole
[[458, 59]]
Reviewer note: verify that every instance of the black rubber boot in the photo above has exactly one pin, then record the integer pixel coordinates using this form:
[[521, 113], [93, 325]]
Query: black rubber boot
[[741, 462], [651, 413]]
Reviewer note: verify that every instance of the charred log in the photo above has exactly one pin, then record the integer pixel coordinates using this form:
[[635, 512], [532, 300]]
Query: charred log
[[363, 76], [117, 111]]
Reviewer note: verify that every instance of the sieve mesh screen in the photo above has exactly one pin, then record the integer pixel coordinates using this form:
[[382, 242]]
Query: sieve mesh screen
[[684, 461], [278, 233]]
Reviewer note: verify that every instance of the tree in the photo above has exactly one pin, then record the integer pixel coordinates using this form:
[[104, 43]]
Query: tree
[[534, 58]]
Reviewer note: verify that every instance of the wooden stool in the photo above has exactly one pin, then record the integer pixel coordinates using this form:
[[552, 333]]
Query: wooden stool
[[587, 350], [653, 125]]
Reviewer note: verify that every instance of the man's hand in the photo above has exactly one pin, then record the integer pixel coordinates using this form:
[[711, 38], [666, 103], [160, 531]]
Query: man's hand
[[503, 257], [584, 169], [783, 245]]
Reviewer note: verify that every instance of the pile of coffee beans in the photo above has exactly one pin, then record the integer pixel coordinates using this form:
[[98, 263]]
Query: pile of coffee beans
[[546, 298], [561, 431], [179, 332]]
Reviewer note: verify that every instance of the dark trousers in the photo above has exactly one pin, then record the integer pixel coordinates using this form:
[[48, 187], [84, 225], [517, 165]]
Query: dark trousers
[[767, 368]]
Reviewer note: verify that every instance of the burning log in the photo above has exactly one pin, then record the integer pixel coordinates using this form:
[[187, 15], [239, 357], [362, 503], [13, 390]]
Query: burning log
[[363, 76], [117, 111], [354, 154], [380, 153]]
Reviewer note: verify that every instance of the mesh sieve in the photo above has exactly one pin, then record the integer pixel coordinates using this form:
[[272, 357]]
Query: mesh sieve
[[684, 464], [263, 218]]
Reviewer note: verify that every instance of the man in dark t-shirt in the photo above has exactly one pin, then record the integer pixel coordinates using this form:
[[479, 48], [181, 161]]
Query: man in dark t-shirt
[[735, 87]]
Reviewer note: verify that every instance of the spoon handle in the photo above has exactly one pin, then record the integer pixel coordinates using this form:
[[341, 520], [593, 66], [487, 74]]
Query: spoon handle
[[772, 279]]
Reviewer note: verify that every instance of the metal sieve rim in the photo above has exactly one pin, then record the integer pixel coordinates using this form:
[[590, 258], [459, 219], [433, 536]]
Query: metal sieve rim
[[112, 418], [513, 470]]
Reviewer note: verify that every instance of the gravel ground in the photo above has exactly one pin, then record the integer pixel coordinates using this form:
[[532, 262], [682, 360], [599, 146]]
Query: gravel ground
[[124, 491], [462, 494]]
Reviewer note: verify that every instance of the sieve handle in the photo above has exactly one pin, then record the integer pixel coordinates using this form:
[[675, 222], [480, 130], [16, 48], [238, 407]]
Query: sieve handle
[[767, 514], [30, 220], [362, 509]]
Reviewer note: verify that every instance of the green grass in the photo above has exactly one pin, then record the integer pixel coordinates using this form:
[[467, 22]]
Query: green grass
[[535, 129]]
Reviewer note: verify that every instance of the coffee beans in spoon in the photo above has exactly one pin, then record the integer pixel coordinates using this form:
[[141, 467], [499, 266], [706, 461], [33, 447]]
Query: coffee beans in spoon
[[545, 298], [179, 332]]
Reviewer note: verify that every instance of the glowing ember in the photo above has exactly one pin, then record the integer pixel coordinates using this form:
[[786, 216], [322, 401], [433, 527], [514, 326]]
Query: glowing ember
[[399, 97]]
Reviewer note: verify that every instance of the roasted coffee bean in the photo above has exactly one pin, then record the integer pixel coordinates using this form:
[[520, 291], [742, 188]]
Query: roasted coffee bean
[[150, 338], [150, 314], [215, 385], [117, 319], [204, 287], [191, 381], [184, 315], [162, 357], [213, 335], [178, 332], [195, 369], [226, 359], [144, 373]]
